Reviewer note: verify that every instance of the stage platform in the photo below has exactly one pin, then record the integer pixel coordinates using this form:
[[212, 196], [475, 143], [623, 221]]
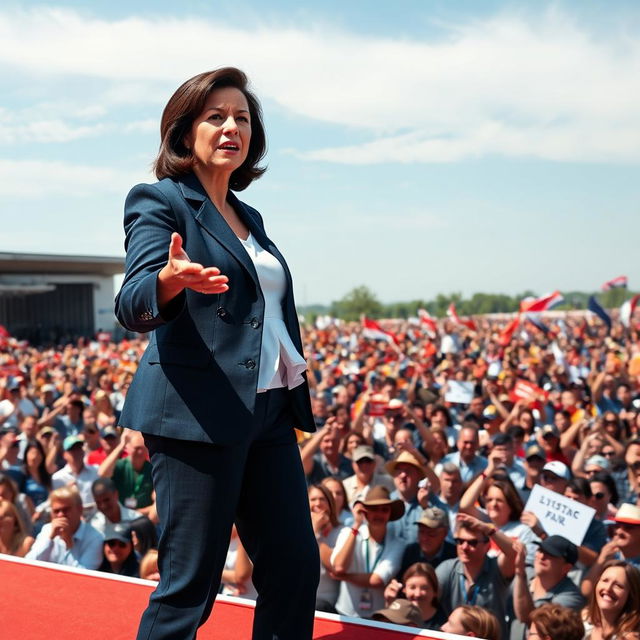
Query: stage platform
[[41, 601]]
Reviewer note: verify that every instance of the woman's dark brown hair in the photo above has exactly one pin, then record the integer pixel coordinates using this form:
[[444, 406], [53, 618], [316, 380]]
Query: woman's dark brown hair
[[333, 516], [185, 105], [629, 619], [510, 495]]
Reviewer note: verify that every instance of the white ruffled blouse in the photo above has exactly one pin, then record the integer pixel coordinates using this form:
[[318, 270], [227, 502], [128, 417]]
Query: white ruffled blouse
[[280, 363]]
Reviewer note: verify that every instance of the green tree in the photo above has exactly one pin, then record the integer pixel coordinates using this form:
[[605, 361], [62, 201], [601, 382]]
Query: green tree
[[357, 302]]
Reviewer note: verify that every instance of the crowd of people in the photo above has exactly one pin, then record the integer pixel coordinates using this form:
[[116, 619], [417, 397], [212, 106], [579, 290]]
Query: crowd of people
[[427, 448]]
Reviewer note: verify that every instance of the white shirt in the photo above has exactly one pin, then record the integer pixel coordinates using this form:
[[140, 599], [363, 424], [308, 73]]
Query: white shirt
[[103, 525], [280, 363], [85, 553], [384, 561], [65, 476]]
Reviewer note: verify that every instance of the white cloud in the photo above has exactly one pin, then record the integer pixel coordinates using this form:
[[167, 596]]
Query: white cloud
[[516, 85], [36, 179]]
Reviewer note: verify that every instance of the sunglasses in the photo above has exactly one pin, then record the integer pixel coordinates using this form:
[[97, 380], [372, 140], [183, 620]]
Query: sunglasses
[[599, 495], [609, 454], [610, 421], [635, 466], [473, 543], [115, 543], [91, 432]]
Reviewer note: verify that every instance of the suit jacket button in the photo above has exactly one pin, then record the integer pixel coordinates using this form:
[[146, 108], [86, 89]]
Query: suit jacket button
[[221, 312], [255, 323], [250, 364]]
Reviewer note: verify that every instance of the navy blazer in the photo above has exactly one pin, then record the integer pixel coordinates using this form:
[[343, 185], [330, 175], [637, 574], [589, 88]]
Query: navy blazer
[[198, 378]]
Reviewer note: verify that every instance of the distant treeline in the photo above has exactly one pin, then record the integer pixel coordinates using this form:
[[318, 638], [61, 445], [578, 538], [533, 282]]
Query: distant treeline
[[362, 300]]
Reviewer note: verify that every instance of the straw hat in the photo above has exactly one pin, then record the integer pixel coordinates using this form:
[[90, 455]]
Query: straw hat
[[406, 458], [379, 496]]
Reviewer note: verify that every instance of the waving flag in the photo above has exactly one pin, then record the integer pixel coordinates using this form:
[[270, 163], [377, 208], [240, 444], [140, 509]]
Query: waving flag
[[534, 319], [428, 323], [467, 322], [545, 303], [507, 333], [594, 307], [372, 330], [627, 309], [617, 283]]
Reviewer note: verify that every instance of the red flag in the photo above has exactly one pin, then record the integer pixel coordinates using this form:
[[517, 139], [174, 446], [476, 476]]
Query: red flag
[[467, 322], [373, 331], [627, 309], [524, 389], [507, 333], [429, 323], [544, 303], [617, 283]]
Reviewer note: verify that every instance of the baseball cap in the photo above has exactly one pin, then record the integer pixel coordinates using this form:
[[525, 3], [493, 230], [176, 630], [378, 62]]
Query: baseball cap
[[433, 517], [560, 547], [550, 430], [534, 451], [117, 531], [400, 611], [598, 461], [109, 432], [558, 468], [70, 442], [361, 452]]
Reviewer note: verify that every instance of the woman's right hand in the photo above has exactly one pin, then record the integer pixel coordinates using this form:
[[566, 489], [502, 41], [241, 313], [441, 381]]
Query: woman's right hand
[[392, 591], [180, 273]]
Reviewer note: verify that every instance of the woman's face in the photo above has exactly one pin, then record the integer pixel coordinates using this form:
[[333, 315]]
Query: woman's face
[[8, 521], [419, 590], [497, 507], [317, 501], [612, 590], [338, 496], [601, 496], [33, 457], [220, 135], [454, 624]]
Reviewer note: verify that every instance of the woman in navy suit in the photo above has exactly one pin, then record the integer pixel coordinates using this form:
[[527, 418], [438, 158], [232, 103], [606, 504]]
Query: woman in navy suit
[[222, 382]]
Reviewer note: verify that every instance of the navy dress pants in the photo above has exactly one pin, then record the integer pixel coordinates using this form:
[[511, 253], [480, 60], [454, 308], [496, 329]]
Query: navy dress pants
[[201, 489]]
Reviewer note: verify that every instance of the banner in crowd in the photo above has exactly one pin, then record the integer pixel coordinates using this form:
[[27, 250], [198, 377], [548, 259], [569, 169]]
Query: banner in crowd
[[559, 515]]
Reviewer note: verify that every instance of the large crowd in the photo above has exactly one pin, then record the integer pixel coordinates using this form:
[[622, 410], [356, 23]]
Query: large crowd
[[426, 451]]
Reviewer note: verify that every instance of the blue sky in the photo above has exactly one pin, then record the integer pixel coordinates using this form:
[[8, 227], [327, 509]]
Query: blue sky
[[415, 147]]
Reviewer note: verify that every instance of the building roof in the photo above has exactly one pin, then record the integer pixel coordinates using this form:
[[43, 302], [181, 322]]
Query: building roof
[[43, 263]]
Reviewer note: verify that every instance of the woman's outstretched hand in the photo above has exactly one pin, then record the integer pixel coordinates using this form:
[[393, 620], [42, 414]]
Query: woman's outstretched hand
[[180, 273]]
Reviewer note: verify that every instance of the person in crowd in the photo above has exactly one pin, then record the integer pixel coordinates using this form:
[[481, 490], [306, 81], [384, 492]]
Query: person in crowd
[[534, 461], [466, 458], [119, 555], [351, 440], [555, 476], [474, 621], [9, 491], [451, 491], [326, 528], [76, 472], [407, 471], [365, 476], [131, 475], [502, 506], [555, 558], [549, 440], [605, 495], [14, 539], [35, 479], [9, 447], [109, 440], [503, 454], [149, 566], [474, 577], [109, 510], [67, 540], [614, 604], [552, 621], [321, 456], [105, 415], [365, 558], [337, 490], [144, 535], [431, 546], [419, 586]]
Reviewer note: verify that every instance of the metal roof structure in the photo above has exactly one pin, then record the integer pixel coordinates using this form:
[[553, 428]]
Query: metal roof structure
[[43, 263]]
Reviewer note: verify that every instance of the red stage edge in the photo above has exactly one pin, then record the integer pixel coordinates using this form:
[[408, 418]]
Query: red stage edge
[[44, 600]]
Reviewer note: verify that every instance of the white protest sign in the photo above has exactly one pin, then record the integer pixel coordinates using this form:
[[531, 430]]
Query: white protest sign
[[559, 515], [461, 392]]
